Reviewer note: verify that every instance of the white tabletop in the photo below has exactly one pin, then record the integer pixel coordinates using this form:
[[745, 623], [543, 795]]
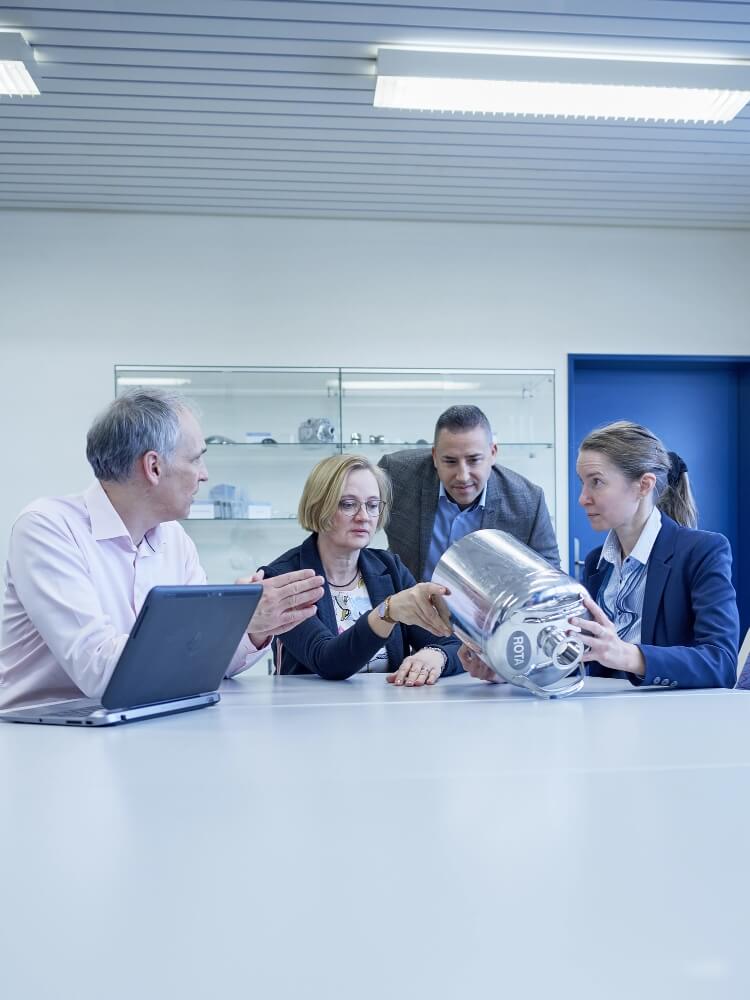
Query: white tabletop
[[315, 839]]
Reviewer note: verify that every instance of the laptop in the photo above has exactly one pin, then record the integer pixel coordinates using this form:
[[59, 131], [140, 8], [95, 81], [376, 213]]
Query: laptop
[[174, 660]]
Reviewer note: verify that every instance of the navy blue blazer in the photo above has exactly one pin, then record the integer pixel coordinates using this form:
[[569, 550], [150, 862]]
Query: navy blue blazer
[[690, 626], [315, 647]]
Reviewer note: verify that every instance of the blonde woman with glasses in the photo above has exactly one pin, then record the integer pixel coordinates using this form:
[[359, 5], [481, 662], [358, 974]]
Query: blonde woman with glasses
[[372, 617]]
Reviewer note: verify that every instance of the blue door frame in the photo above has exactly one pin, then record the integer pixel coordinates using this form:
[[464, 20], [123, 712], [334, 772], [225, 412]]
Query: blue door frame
[[736, 447]]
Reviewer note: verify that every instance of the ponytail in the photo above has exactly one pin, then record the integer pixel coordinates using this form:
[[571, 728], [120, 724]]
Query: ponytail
[[677, 500]]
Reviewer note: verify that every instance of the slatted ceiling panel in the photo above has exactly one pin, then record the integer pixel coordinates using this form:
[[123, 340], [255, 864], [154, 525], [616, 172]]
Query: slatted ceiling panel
[[265, 108]]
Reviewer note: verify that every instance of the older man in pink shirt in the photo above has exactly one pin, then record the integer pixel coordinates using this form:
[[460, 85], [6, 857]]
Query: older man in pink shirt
[[79, 567]]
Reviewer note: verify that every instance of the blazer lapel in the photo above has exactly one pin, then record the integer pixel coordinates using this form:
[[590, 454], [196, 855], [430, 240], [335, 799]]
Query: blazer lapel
[[428, 509], [656, 579], [379, 585], [310, 559], [595, 581], [492, 502]]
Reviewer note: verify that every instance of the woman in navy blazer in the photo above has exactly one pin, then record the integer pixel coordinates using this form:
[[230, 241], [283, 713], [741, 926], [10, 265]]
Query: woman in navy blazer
[[665, 611], [372, 614]]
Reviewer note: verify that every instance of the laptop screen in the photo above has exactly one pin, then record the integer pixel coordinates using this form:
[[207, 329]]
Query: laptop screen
[[181, 643]]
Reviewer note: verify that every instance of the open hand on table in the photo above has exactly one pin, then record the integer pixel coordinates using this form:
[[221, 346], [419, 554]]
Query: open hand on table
[[424, 667]]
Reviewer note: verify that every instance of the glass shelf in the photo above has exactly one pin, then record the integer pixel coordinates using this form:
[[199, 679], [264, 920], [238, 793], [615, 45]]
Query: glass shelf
[[270, 447], [428, 444], [237, 520], [234, 401], [525, 444], [338, 445], [395, 445]]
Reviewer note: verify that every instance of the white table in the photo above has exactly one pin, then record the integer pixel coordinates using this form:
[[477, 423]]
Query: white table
[[315, 839]]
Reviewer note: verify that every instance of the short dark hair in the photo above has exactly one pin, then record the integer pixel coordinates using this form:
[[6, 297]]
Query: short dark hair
[[462, 418]]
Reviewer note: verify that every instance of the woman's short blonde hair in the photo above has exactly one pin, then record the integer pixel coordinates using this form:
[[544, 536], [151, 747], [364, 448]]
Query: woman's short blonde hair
[[325, 487]]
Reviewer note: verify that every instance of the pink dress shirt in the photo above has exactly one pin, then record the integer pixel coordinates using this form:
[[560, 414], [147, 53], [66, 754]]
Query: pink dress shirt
[[75, 583]]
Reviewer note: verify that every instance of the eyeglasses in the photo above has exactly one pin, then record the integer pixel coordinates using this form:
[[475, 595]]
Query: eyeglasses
[[351, 508]]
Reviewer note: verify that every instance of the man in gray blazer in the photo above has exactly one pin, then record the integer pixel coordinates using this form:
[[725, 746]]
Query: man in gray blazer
[[441, 495]]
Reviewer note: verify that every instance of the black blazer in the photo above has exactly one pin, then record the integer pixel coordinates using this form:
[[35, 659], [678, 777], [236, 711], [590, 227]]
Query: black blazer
[[315, 647], [690, 626]]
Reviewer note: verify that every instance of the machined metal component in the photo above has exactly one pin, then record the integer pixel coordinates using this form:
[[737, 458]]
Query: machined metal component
[[512, 609]]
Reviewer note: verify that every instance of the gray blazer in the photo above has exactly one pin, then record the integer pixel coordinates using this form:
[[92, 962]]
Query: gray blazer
[[513, 504]]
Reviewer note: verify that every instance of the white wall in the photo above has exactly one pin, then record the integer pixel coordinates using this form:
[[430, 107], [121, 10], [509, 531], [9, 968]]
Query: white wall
[[80, 292]]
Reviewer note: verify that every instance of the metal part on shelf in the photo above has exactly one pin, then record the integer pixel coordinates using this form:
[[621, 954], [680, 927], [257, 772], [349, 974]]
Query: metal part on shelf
[[316, 429]]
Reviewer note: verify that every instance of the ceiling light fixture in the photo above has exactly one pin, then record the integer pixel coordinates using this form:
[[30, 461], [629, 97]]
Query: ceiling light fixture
[[412, 385], [560, 86], [171, 382], [17, 66]]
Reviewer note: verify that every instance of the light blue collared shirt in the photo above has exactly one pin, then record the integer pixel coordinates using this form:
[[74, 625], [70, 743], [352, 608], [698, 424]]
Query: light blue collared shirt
[[621, 596], [451, 523]]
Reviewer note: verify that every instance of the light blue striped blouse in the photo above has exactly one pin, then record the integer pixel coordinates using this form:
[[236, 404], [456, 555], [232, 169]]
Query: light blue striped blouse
[[621, 595]]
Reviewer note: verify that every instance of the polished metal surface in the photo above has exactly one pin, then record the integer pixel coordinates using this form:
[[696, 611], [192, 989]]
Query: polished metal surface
[[512, 608]]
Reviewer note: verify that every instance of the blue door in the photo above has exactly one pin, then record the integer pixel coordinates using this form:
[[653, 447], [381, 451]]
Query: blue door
[[700, 408]]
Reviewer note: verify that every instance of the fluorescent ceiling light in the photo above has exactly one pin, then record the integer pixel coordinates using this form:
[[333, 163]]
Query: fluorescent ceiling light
[[560, 86], [17, 67], [396, 385], [127, 380]]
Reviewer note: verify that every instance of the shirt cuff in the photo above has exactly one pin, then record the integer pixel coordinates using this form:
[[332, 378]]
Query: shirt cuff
[[254, 648]]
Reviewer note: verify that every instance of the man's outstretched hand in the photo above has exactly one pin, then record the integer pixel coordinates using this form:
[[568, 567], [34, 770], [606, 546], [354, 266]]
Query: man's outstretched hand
[[287, 600]]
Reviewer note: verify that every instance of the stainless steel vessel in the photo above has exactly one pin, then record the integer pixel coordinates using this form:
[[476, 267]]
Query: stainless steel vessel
[[512, 608]]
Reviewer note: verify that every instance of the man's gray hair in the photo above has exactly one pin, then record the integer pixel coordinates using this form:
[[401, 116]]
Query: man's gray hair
[[140, 420]]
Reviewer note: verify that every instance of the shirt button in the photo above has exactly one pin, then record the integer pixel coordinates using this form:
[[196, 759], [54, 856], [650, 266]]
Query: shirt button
[[665, 682], [657, 680], [673, 684]]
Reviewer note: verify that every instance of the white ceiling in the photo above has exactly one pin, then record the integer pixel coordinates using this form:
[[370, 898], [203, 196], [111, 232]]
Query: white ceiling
[[265, 108]]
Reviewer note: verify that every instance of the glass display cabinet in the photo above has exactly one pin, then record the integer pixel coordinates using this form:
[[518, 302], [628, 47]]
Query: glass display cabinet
[[265, 429]]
